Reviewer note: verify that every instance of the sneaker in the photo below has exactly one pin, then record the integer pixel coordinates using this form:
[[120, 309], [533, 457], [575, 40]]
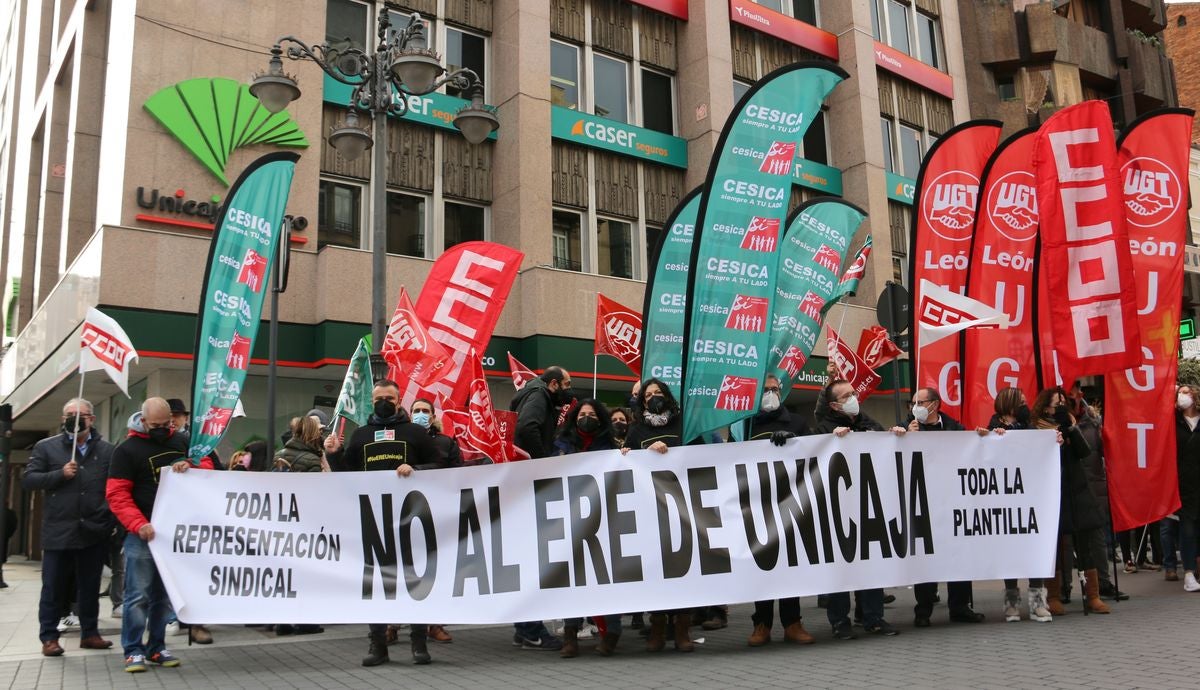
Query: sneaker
[[1189, 583], [1012, 605], [165, 659], [587, 632], [882, 628], [1039, 610], [1130, 568], [174, 629], [67, 622], [135, 663], [118, 611], [547, 643], [843, 631]]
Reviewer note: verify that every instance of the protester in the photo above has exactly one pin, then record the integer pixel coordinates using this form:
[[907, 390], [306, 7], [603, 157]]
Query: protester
[[424, 415], [1088, 422], [587, 428], [927, 415], [775, 422], [10, 528], [620, 420], [132, 485], [303, 452], [659, 427], [1187, 442], [389, 441], [838, 413], [537, 422], [72, 468], [181, 420]]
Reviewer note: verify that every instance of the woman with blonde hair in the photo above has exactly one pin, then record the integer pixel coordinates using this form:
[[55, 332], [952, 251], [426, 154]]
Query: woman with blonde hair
[[304, 451]]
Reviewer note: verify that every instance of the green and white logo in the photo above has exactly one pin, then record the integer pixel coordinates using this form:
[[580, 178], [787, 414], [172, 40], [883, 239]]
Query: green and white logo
[[212, 117]]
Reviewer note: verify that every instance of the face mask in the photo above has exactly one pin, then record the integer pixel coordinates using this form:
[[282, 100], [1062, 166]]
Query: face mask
[[1184, 401], [68, 425], [632, 402], [588, 425], [564, 397], [850, 407], [1023, 414], [920, 413], [620, 428], [421, 418], [770, 401], [385, 409], [656, 404], [159, 435], [1062, 416]]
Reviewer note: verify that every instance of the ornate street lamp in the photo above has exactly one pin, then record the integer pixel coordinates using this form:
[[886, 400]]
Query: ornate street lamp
[[401, 66]]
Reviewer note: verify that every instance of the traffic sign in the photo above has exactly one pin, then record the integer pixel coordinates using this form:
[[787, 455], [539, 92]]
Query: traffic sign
[[892, 308]]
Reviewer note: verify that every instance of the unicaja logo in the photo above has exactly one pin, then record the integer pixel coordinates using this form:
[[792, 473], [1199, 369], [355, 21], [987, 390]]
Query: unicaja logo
[[1152, 192], [213, 117]]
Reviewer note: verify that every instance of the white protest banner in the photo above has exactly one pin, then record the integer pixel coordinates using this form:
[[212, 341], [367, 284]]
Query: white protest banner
[[599, 532]]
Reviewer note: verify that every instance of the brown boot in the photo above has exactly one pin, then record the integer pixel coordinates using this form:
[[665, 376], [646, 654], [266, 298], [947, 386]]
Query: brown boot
[[760, 636], [608, 644], [658, 632], [796, 634], [683, 640], [1092, 594], [570, 648], [1054, 594]]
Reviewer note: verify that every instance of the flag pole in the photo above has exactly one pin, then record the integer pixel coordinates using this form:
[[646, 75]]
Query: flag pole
[[75, 431], [595, 361]]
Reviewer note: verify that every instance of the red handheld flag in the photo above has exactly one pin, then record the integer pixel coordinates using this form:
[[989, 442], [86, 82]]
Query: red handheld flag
[[477, 427], [408, 349], [619, 333], [851, 368], [875, 349], [521, 374]]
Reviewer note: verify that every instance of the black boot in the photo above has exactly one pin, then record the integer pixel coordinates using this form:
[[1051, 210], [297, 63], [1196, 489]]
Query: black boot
[[420, 651], [377, 652]]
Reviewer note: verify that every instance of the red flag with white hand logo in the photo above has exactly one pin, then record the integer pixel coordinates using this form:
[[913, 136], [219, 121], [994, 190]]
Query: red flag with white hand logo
[[851, 367], [411, 354], [619, 332]]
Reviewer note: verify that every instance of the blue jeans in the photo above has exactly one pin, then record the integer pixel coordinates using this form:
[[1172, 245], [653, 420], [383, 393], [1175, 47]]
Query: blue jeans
[[146, 605], [838, 606], [1168, 533], [1189, 531], [612, 623], [532, 630]]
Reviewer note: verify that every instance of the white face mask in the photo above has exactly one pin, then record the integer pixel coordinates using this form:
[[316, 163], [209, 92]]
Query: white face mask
[[920, 413], [770, 401], [1184, 401], [850, 407]]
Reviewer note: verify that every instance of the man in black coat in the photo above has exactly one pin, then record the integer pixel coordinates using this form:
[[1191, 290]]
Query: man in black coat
[[928, 416], [72, 468], [537, 416]]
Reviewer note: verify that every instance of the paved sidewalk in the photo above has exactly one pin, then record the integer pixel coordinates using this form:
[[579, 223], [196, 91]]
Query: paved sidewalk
[[1148, 642]]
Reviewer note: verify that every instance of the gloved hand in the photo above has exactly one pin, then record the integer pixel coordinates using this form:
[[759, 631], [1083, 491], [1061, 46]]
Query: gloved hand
[[780, 437]]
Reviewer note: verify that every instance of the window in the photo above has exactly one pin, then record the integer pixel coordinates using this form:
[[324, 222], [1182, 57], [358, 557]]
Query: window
[[405, 224], [564, 75], [339, 213], [610, 79], [739, 89], [653, 237], [345, 19], [889, 156], [658, 102], [816, 147], [1006, 88], [928, 41], [898, 27], [565, 235], [910, 151], [614, 241], [462, 223], [776, 5], [876, 23], [401, 21], [465, 50], [804, 10]]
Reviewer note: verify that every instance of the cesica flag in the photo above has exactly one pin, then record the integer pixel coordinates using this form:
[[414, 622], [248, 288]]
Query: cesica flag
[[1084, 244], [105, 346], [1139, 410], [354, 401], [665, 309], [943, 221], [599, 531], [734, 256], [240, 257]]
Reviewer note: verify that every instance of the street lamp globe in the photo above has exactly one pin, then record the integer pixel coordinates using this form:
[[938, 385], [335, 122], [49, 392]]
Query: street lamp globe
[[273, 88], [475, 121], [417, 70], [348, 139]]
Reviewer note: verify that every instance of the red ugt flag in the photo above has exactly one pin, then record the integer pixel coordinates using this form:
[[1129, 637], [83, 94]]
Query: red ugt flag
[[409, 351], [521, 374], [875, 349], [477, 427], [619, 332], [850, 367]]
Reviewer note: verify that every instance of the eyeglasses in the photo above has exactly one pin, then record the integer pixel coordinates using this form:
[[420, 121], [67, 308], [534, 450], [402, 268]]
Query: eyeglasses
[[772, 389]]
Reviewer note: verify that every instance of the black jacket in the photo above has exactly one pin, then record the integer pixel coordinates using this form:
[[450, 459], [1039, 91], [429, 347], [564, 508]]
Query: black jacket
[[75, 513], [643, 435], [1093, 464], [829, 419], [386, 445], [763, 424], [447, 447], [537, 420], [1187, 443], [945, 423], [298, 456], [1079, 510]]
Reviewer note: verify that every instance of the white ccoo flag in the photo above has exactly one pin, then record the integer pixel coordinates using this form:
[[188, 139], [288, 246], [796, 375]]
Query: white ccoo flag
[[105, 346], [942, 313]]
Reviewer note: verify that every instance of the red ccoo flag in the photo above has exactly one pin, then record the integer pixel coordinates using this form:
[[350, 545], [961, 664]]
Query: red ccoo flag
[[521, 374], [409, 351], [619, 332]]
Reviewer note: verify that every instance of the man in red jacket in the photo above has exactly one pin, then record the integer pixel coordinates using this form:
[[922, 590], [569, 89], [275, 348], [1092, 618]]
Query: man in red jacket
[[132, 485]]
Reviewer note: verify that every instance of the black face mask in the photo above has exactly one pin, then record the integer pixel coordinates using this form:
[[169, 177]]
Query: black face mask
[[620, 428], [563, 397], [1062, 415], [632, 402], [656, 404], [159, 434], [1023, 414], [589, 425], [68, 425], [385, 409]]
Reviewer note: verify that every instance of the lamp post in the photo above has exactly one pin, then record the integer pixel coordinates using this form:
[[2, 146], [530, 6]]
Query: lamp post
[[401, 66]]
